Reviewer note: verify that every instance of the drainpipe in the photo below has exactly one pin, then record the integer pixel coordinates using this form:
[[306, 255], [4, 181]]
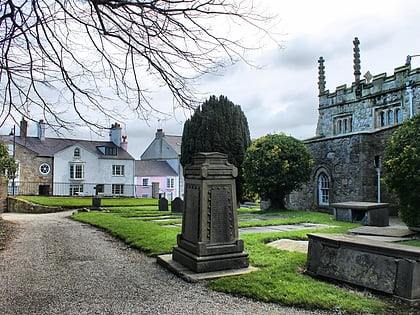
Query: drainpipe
[[410, 97], [378, 174]]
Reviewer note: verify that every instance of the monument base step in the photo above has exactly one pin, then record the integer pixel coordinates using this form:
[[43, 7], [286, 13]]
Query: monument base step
[[191, 276]]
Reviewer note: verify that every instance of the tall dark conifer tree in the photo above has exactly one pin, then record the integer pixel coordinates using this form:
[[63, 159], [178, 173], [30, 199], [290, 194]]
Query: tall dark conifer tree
[[217, 126]]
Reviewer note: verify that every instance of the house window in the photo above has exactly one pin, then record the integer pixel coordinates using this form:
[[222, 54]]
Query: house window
[[145, 181], [117, 189], [170, 182], [108, 150], [76, 189], [76, 153], [117, 170], [323, 189], [77, 171], [145, 195]]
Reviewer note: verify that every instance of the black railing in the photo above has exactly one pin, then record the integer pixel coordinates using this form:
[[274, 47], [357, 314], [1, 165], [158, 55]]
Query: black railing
[[20, 188]]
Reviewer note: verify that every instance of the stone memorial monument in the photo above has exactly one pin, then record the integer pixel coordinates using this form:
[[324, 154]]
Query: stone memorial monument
[[209, 239]]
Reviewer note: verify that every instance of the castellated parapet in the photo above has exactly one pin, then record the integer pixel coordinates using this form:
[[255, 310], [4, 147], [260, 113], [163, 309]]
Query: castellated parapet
[[398, 92]]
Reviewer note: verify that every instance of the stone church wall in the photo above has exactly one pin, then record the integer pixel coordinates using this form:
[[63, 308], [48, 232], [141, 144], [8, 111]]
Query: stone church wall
[[348, 161]]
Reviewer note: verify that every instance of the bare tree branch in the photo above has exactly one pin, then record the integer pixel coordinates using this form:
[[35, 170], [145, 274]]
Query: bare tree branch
[[78, 58]]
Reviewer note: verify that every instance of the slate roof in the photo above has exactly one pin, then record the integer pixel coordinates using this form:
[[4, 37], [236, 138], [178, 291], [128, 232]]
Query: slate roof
[[146, 168], [50, 146], [174, 142]]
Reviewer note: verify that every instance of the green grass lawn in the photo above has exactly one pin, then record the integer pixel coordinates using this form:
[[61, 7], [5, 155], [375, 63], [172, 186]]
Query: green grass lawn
[[280, 278], [79, 202]]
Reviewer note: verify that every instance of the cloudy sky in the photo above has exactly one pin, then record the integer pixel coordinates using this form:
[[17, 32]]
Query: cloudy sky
[[281, 95]]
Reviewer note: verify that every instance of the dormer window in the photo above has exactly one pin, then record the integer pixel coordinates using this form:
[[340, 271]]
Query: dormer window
[[76, 153], [108, 150]]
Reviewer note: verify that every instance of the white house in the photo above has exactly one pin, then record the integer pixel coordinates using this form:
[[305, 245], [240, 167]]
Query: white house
[[62, 166]]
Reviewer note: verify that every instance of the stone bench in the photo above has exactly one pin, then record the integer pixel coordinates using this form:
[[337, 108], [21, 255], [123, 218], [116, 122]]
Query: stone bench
[[386, 267], [366, 213]]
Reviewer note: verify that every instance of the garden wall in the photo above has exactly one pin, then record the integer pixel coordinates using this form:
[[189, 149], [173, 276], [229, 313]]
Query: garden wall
[[23, 206]]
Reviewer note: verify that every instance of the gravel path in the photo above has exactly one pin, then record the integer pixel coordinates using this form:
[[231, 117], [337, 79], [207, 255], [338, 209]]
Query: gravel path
[[58, 266]]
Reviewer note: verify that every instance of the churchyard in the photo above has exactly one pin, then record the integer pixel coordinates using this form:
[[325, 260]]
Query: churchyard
[[280, 277]]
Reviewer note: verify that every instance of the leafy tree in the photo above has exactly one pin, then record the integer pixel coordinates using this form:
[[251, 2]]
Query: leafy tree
[[78, 57], [8, 165], [275, 165], [402, 165], [217, 126]]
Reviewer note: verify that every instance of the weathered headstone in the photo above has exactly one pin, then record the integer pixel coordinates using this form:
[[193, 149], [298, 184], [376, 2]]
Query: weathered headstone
[[209, 239], [177, 205], [96, 203], [163, 204]]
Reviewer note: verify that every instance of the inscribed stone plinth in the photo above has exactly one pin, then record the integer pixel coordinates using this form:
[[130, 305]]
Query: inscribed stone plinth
[[209, 239]]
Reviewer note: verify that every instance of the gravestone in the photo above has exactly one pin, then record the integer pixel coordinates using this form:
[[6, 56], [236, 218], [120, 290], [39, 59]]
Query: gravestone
[[96, 203], [177, 205], [163, 204], [209, 239]]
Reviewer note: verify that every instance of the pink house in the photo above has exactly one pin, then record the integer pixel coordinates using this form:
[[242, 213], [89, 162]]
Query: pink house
[[149, 173], [160, 164]]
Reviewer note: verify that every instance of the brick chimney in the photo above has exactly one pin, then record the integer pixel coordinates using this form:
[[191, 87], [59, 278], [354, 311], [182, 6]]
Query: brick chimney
[[23, 128], [159, 134], [124, 143], [41, 130]]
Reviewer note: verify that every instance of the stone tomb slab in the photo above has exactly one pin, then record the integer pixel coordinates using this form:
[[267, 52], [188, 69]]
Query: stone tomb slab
[[366, 213], [290, 245], [390, 268]]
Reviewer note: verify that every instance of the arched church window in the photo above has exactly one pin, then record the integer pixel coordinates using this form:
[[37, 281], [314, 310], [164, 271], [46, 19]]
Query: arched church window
[[323, 189], [390, 117], [383, 119], [76, 152], [398, 115]]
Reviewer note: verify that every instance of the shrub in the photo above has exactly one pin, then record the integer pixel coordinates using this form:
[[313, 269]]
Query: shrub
[[275, 165], [402, 164]]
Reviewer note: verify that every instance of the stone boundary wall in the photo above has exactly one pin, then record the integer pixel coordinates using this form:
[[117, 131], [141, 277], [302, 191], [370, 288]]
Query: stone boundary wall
[[3, 194], [23, 206]]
